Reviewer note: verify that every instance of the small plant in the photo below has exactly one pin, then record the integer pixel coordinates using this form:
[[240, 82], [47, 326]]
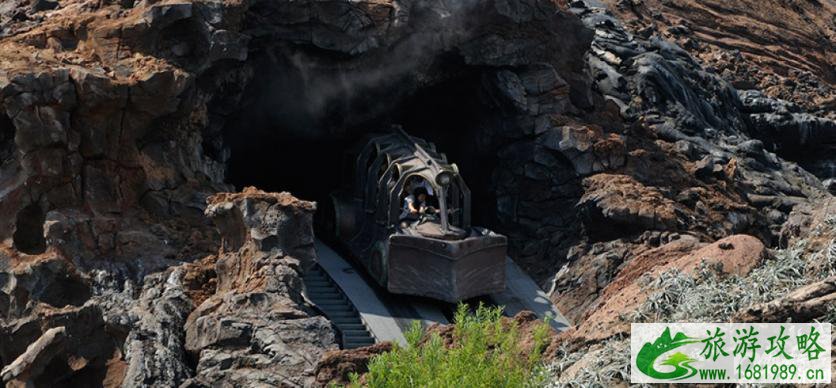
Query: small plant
[[485, 352], [830, 316], [671, 286]]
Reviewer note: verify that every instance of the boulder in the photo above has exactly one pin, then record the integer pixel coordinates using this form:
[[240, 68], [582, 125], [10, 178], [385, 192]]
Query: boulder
[[736, 255]]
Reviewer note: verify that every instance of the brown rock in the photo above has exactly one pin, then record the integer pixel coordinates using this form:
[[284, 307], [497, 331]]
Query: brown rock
[[336, 365], [200, 279], [267, 220], [783, 48], [612, 202], [624, 294], [256, 319], [736, 255]]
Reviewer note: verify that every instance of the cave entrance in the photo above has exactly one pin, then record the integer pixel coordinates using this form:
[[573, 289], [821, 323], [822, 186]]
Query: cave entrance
[[293, 131], [29, 232], [455, 116]]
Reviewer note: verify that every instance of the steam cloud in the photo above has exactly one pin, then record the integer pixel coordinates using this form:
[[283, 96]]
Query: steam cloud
[[305, 91]]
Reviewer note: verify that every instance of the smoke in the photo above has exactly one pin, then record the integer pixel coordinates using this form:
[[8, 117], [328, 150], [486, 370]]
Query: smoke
[[311, 90]]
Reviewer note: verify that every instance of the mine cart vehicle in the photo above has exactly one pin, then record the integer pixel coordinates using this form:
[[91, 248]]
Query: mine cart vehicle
[[438, 254]]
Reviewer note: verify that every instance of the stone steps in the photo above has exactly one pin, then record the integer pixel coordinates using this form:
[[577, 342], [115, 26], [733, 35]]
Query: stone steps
[[329, 298]]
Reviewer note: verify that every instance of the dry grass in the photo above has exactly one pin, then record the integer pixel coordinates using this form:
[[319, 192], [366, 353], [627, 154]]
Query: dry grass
[[709, 296], [705, 296], [610, 363]]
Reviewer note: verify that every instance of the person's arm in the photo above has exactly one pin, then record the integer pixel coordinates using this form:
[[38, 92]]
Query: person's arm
[[411, 204]]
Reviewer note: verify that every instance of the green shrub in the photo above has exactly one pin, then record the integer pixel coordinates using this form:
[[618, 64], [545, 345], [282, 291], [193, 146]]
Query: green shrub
[[486, 352]]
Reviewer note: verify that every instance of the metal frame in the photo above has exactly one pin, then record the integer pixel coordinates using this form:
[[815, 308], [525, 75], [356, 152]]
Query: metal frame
[[407, 157], [368, 222]]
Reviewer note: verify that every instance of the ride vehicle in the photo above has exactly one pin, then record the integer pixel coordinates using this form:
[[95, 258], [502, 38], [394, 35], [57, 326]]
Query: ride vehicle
[[437, 253]]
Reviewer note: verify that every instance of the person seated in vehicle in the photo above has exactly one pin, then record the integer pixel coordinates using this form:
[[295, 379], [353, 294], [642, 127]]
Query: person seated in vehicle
[[415, 182], [414, 206]]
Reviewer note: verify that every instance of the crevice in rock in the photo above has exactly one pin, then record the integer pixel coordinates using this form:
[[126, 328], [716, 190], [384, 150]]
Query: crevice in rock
[[7, 139], [65, 290], [29, 233]]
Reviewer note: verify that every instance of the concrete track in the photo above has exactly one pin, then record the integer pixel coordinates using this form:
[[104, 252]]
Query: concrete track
[[346, 296]]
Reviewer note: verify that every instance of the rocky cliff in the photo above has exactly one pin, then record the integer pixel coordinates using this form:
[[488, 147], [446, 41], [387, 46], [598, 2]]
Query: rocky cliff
[[605, 143], [783, 49], [234, 317]]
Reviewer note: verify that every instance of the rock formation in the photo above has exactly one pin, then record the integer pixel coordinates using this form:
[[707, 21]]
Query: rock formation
[[606, 143], [256, 328], [784, 49]]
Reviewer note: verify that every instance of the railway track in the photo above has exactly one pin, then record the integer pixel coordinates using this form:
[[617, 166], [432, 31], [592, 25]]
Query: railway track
[[364, 314]]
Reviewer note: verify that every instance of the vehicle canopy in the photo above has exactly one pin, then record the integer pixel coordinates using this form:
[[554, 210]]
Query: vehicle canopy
[[388, 162]]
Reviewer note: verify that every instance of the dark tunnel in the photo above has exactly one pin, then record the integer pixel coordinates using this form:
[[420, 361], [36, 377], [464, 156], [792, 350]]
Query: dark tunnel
[[294, 140]]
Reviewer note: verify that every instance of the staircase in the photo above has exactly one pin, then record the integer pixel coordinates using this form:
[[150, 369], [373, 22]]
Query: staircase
[[329, 298]]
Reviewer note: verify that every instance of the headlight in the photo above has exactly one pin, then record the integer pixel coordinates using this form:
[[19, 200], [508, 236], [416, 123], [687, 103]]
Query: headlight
[[444, 178]]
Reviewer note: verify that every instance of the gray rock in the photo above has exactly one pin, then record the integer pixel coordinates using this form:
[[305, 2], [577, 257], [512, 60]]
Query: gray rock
[[708, 168], [154, 348], [43, 5], [795, 135]]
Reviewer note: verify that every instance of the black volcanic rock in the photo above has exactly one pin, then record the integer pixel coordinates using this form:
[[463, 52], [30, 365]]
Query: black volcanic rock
[[582, 143]]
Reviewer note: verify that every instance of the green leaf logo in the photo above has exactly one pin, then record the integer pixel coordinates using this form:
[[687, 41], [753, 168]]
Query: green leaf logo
[[648, 354]]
